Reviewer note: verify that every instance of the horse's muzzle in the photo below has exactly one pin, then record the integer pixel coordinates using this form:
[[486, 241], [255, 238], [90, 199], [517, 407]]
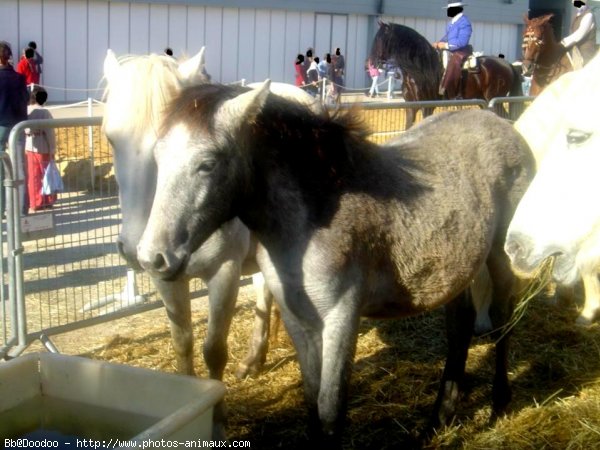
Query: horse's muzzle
[[129, 254], [162, 264]]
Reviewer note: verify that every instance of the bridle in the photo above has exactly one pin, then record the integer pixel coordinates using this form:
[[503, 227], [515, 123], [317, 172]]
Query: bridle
[[530, 38]]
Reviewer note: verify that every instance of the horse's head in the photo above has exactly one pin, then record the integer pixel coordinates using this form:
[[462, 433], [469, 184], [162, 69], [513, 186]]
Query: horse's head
[[202, 173], [379, 49], [537, 33], [138, 88], [558, 216]]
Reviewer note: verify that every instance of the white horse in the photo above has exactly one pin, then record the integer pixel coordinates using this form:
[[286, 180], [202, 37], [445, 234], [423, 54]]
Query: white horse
[[138, 88], [560, 213]]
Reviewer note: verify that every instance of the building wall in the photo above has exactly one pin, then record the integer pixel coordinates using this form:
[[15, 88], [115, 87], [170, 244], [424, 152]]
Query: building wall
[[244, 39]]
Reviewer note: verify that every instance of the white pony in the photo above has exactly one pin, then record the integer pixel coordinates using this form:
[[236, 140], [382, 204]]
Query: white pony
[[560, 213], [138, 87]]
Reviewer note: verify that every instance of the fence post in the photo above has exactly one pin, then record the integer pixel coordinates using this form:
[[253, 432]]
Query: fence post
[[91, 144], [390, 83], [12, 181], [324, 91]]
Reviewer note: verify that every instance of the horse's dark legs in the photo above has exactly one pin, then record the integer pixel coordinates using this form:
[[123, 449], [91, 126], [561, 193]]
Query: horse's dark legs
[[176, 298], [501, 310], [259, 342], [460, 320], [223, 289]]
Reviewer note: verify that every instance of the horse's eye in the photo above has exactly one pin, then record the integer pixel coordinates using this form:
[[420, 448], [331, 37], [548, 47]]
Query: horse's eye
[[577, 137], [207, 165]]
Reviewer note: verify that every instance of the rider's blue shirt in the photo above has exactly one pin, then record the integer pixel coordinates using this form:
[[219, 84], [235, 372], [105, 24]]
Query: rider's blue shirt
[[458, 33]]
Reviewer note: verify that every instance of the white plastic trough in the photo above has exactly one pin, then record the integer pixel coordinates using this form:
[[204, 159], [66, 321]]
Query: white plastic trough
[[181, 407]]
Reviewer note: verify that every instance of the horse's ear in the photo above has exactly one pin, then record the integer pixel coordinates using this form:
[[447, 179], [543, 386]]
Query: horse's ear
[[111, 65], [245, 107], [193, 66]]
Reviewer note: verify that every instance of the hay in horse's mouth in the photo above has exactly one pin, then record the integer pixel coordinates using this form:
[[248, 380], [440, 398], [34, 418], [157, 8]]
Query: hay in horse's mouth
[[530, 289]]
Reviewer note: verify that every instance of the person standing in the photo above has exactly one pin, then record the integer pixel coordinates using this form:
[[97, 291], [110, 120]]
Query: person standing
[[13, 103], [38, 59], [456, 42], [26, 67], [339, 67], [374, 74], [581, 43], [299, 70], [312, 77], [323, 66], [40, 146], [13, 95]]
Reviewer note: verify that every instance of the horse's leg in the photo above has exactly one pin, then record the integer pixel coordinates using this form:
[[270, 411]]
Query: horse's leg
[[481, 294], [176, 298], [223, 289], [591, 305], [308, 344], [259, 342], [460, 319], [501, 309], [340, 333]]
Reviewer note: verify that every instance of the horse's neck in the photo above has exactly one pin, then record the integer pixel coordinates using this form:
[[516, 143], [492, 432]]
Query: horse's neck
[[552, 52]]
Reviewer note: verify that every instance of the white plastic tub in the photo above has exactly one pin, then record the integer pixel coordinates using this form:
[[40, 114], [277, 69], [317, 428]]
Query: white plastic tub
[[103, 401]]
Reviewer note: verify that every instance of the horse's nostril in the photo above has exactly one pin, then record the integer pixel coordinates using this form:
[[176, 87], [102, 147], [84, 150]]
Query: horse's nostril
[[120, 247], [159, 262]]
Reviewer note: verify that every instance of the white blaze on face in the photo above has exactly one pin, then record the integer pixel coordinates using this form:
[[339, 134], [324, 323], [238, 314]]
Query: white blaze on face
[[172, 157]]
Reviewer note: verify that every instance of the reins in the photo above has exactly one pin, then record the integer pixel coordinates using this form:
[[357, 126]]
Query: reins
[[543, 71]]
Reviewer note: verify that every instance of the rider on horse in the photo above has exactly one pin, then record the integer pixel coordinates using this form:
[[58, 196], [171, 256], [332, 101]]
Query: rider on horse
[[456, 42], [582, 40]]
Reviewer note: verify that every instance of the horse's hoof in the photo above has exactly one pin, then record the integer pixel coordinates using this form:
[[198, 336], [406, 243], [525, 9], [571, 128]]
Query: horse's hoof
[[242, 371], [247, 370]]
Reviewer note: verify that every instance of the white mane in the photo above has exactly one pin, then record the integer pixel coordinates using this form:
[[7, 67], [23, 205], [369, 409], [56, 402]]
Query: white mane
[[136, 96]]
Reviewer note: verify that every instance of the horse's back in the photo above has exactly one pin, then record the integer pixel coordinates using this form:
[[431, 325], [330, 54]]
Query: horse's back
[[468, 132], [473, 143], [470, 169]]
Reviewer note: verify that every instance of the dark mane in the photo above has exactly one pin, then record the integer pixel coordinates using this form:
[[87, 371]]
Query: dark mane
[[306, 134], [410, 51], [324, 151]]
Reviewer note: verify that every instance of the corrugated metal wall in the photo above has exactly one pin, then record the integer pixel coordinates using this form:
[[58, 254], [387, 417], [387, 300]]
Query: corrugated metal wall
[[240, 43]]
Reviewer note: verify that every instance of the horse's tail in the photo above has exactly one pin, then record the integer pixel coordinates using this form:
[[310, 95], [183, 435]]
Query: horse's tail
[[516, 90]]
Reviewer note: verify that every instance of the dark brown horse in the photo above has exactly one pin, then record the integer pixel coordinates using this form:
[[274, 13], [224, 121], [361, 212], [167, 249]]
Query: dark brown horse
[[544, 59], [420, 64]]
